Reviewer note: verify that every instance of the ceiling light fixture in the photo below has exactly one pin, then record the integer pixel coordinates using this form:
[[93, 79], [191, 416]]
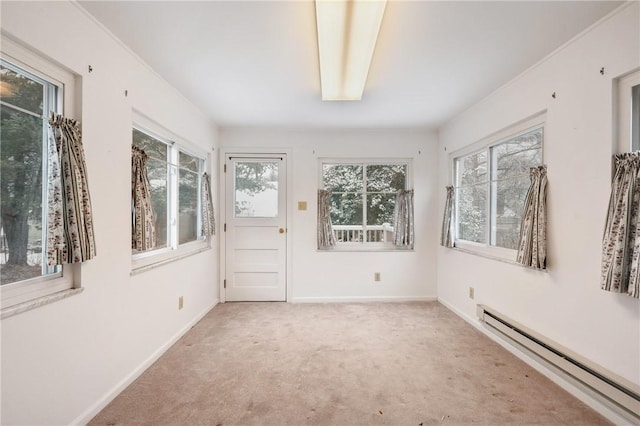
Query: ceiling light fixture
[[347, 34]]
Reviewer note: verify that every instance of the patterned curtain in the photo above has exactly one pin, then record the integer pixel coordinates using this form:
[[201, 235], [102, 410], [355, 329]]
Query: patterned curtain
[[403, 219], [532, 247], [70, 222], [208, 214], [446, 238], [326, 239], [621, 240], [143, 233]]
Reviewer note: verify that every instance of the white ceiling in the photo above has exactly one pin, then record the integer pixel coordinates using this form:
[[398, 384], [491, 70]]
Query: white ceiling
[[256, 63]]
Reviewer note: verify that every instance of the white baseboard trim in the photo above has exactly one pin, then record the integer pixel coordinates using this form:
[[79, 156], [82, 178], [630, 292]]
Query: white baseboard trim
[[364, 299], [92, 411], [553, 373]]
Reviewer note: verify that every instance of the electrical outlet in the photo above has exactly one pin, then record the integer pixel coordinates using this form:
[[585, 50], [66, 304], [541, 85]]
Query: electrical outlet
[[376, 276], [472, 293], [180, 302]]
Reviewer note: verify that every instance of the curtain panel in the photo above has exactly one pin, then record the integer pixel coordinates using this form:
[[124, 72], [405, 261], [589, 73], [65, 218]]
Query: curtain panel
[[446, 237], [326, 239], [403, 219], [70, 235], [143, 235], [208, 214], [621, 239], [532, 247]]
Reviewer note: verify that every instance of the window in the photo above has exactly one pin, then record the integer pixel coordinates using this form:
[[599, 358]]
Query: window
[[175, 177], [256, 192], [363, 196], [628, 112], [28, 94], [491, 185], [635, 117]]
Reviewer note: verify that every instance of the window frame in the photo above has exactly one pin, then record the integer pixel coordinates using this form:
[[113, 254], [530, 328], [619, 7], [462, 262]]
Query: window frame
[[28, 294], [369, 245], [141, 261], [537, 121], [627, 105]]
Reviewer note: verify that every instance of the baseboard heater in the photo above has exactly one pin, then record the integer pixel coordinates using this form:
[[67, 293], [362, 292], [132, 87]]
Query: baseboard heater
[[624, 395]]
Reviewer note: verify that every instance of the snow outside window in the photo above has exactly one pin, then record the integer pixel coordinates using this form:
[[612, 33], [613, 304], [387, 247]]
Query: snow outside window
[[491, 184], [362, 201]]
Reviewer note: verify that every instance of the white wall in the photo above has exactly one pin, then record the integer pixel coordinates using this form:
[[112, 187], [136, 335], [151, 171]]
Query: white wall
[[60, 362], [565, 304], [336, 276]]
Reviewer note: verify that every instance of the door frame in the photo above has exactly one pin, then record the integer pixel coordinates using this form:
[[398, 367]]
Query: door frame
[[248, 151]]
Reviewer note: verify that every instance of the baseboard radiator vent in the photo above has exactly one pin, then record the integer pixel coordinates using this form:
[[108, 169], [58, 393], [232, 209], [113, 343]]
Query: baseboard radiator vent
[[617, 392]]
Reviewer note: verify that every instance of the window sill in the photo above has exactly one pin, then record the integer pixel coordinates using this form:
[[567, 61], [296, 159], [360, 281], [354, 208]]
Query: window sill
[[360, 248], [492, 252], [498, 258], [41, 301], [154, 261]]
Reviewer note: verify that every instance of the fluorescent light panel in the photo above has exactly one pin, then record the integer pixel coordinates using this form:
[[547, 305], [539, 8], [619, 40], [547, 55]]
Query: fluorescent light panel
[[347, 34]]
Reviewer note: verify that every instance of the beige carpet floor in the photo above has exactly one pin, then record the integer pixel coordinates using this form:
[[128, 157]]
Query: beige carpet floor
[[341, 364]]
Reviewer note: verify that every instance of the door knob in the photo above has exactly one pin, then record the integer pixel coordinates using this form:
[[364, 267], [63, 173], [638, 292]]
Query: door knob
[[281, 230]]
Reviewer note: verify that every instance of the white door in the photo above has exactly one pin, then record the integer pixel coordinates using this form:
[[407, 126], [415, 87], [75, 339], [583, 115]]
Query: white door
[[256, 239]]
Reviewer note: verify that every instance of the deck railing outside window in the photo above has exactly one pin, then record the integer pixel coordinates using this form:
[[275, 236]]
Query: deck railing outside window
[[355, 233]]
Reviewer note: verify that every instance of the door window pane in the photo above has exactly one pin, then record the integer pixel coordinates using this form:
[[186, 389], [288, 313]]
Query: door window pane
[[256, 189]]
